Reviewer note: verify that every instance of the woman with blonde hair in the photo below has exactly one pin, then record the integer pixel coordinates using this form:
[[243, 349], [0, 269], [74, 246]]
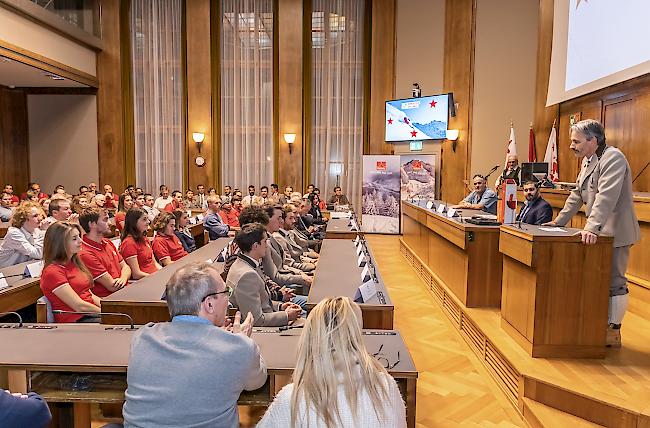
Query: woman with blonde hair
[[336, 382], [166, 246], [24, 239], [65, 281]]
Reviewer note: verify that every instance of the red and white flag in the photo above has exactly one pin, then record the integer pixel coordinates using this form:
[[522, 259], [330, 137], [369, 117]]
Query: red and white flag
[[532, 156], [512, 146], [551, 157]]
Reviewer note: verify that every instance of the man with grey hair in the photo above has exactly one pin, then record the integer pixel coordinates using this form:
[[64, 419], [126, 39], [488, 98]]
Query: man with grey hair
[[191, 371], [604, 185]]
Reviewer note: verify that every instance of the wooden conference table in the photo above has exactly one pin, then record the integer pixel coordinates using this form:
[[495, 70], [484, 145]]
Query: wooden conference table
[[464, 257], [21, 292], [142, 300], [84, 364], [339, 228], [338, 274]]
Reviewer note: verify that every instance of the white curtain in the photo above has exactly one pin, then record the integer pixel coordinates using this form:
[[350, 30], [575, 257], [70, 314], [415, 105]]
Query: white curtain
[[337, 96], [247, 93], [157, 93]]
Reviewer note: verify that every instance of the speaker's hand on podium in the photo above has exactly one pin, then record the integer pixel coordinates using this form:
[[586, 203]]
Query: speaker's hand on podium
[[588, 238], [550, 223]]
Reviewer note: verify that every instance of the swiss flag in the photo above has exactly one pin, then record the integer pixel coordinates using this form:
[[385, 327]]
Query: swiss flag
[[551, 157], [512, 146]]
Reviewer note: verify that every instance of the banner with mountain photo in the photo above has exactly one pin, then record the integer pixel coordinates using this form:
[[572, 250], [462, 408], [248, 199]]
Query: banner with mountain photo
[[381, 194], [418, 176]]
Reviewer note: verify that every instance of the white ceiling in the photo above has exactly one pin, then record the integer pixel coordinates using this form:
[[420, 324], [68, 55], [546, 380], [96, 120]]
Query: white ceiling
[[17, 74]]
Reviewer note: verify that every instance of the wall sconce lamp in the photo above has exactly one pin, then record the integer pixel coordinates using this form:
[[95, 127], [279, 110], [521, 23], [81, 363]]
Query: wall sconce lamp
[[198, 138], [452, 135], [290, 138]]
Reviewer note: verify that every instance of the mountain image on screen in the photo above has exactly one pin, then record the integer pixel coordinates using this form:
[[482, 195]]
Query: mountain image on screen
[[417, 119]]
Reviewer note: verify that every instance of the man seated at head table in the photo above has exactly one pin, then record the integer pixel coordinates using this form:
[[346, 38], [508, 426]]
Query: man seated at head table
[[250, 291], [6, 207], [191, 371], [24, 238], [106, 265], [481, 198], [338, 198], [535, 210]]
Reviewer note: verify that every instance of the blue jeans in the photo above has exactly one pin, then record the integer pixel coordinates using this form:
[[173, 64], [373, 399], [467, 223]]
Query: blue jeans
[[302, 302]]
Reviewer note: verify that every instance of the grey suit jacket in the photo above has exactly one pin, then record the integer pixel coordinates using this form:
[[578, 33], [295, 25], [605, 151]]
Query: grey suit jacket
[[286, 252], [270, 268], [251, 295], [606, 190]]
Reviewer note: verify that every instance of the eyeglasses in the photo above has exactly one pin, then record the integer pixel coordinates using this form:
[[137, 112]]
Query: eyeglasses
[[383, 360], [228, 291]]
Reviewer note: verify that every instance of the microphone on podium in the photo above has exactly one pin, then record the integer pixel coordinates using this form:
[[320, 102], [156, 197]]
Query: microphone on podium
[[118, 314], [494, 168], [20, 319]]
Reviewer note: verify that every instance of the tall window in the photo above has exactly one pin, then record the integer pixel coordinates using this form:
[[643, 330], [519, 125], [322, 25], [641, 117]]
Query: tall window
[[157, 92], [247, 92], [337, 84]]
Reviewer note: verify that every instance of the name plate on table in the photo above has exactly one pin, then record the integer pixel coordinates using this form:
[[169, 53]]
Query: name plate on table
[[365, 292], [199, 217], [365, 274], [356, 241], [451, 212], [192, 220], [429, 205], [441, 208], [353, 225], [3, 281], [359, 248], [33, 270], [361, 261]]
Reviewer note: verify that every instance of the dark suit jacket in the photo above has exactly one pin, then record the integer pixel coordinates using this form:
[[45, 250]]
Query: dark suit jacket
[[539, 212]]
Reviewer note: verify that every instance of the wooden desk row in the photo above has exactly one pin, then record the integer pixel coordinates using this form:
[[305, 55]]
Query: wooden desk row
[[552, 290], [339, 228], [48, 360]]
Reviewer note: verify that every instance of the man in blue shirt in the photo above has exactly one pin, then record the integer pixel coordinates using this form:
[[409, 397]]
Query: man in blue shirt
[[23, 410], [213, 222], [481, 198]]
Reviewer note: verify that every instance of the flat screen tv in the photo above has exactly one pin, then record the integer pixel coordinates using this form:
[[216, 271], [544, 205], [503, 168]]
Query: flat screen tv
[[415, 119]]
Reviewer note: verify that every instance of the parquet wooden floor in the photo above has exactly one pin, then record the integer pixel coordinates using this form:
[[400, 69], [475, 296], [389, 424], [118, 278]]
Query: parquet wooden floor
[[454, 390]]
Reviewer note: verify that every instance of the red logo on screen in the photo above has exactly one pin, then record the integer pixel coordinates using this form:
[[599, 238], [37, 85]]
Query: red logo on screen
[[417, 164], [381, 166]]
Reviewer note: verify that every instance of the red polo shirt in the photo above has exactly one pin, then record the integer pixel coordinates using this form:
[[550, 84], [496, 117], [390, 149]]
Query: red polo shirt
[[231, 218], [130, 248], [57, 275], [119, 217], [100, 258], [14, 199], [168, 246]]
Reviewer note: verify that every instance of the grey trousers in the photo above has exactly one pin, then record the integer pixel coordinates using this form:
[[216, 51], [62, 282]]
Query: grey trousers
[[618, 281]]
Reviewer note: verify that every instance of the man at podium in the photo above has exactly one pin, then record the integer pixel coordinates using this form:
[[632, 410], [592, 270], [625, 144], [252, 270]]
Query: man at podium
[[481, 198], [604, 185], [535, 210]]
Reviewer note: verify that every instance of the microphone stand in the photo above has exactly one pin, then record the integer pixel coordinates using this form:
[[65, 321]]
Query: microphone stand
[[20, 318]]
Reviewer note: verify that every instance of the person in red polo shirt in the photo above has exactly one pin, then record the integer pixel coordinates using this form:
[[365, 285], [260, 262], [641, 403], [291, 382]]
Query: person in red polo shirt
[[166, 246], [176, 203], [9, 190], [109, 270], [125, 203], [65, 281], [135, 247]]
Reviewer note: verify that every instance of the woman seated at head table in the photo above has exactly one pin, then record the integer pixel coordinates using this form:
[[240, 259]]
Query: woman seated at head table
[[336, 381], [124, 204], [135, 247], [314, 210], [24, 238], [65, 281], [166, 246], [183, 232]]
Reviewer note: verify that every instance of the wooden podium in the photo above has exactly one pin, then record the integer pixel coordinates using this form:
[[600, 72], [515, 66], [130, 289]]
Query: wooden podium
[[555, 291]]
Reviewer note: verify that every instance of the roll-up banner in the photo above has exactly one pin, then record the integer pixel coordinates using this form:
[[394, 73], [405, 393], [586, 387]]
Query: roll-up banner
[[381, 194]]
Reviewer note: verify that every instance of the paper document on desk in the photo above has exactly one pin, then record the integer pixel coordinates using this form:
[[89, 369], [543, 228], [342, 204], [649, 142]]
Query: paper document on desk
[[340, 214], [3, 281], [553, 229], [487, 216]]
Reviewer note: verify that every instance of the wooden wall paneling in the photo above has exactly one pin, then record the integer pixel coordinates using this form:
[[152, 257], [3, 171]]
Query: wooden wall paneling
[[544, 116], [199, 92], [460, 26], [116, 166], [14, 139], [382, 72], [289, 95], [215, 78], [590, 108]]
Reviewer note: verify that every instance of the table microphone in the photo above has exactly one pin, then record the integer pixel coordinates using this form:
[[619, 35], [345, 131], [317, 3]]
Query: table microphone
[[119, 314], [20, 319], [15, 275]]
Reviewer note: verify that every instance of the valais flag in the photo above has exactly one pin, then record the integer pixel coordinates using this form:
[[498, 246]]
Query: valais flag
[[512, 146], [551, 157]]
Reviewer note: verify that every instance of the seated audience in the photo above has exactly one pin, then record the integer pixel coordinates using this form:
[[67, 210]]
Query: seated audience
[[65, 281], [107, 267], [148, 206], [212, 221], [166, 246], [535, 210], [251, 198], [207, 363], [9, 190], [190, 201], [229, 215], [138, 202], [183, 232], [18, 410], [59, 210], [24, 239], [250, 292], [280, 246], [36, 189], [275, 194], [6, 207], [45, 204], [511, 171], [135, 247], [310, 190], [112, 200], [82, 190], [176, 203], [201, 197], [264, 196], [32, 196], [292, 249], [285, 198], [125, 203], [315, 210], [338, 198], [139, 191], [79, 203], [99, 201], [92, 189], [336, 381], [212, 192], [321, 203], [227, 194], [60, 190], [164, 198], [481, 198]]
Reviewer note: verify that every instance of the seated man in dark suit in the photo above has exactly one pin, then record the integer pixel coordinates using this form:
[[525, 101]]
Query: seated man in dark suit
[[536, 210]]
